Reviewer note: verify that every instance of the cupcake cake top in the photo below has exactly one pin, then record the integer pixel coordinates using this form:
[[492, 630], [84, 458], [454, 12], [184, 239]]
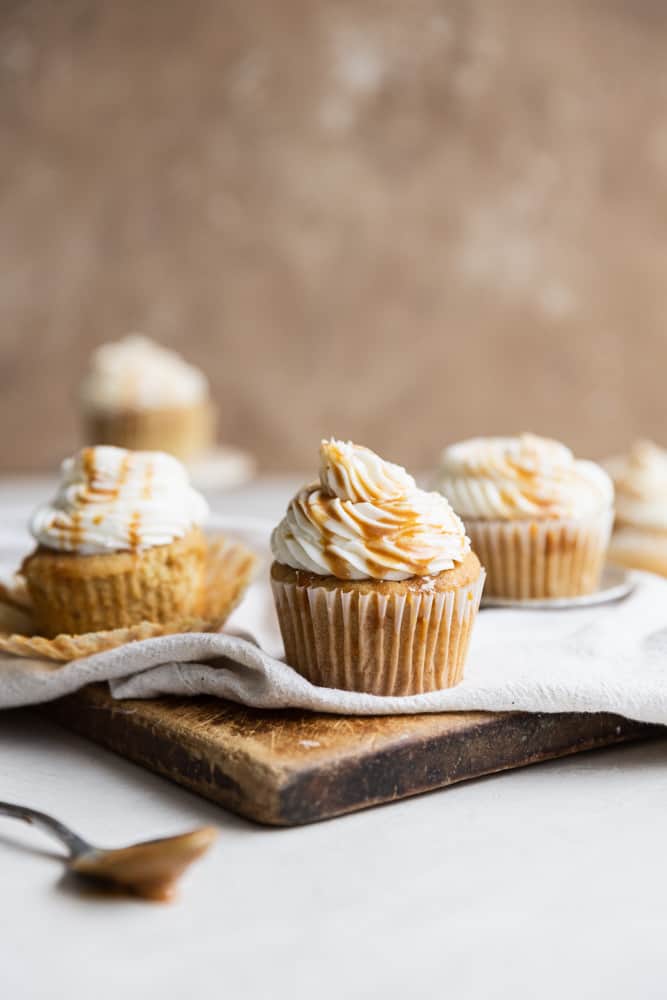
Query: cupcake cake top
[[524, 477], [110, 499], [135, 374], [367, 519], [640, 479]]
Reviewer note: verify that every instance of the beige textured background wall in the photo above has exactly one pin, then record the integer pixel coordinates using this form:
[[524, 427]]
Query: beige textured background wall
[[400, 222]]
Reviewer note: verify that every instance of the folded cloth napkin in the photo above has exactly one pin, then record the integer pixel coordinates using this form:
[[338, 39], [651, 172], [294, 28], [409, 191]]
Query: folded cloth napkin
[[610, 658]]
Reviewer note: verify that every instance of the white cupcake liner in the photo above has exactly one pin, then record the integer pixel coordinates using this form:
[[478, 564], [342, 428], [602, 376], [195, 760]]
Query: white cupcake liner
[[384, 644], [639, 548], [542, 559]]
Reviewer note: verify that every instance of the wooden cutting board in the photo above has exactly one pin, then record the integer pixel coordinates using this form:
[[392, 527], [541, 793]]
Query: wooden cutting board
[[291, 767]]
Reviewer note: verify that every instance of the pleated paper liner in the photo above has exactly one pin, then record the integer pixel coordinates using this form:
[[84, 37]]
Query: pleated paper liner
[[382, 644], [229, 569], [639, 548], [541, 559]]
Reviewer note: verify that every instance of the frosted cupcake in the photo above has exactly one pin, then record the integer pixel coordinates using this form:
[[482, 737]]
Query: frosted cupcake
[[538, 518], [141, 396], [374, 581], [640, 533], [120, 544]]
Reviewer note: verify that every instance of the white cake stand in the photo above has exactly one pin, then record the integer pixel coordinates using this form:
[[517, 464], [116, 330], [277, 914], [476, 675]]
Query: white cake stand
[[615, 584]]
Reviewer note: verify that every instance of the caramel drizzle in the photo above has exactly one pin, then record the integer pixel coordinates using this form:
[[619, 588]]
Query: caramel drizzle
[[528, 481], [71, 531], [147, 488], [401, 531], [133, 530], [93, 490], [545, 503], [364, 489]]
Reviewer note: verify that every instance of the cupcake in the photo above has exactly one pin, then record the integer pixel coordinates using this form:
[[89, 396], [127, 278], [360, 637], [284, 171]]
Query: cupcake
[[120, 544], [538, 518], [640, 531], [141, 396], [375, 585]]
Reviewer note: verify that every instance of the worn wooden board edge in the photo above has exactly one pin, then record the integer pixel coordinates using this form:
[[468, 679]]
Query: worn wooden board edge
[[516, 739], [285, 796]]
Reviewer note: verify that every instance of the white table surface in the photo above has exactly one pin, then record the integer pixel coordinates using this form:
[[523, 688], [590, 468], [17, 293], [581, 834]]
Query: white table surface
[[547, 881]]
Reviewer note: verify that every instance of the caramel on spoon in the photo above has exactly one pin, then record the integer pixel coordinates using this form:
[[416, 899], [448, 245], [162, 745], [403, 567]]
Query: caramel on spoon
[[149, 869]]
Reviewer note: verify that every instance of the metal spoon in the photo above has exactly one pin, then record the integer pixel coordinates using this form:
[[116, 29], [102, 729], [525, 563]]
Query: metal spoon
[[149, 869]]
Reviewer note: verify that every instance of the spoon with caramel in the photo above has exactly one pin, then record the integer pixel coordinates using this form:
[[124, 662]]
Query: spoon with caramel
[[149, 869]]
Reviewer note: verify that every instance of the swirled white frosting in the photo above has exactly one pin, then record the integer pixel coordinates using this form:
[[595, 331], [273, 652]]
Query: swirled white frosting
[[110, 499], [135, 373], [640, 479], [521, 478], [367, 518]]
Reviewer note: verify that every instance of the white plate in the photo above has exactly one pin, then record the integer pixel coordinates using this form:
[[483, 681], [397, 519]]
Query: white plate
[[615, 584], [221, 469]]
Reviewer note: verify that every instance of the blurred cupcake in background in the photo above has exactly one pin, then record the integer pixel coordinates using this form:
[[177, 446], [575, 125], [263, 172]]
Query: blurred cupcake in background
[[538, 518], [139, 395], [640, 533], [375, 585]]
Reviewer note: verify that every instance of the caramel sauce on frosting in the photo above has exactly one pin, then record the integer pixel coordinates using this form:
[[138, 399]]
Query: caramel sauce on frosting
[[521, 478], [110, 499], [367, 518]]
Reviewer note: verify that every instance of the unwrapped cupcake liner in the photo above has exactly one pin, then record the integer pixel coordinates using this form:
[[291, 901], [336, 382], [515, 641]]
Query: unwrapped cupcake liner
[[541, 559], [383, 644], [229, 568], [160, 584]]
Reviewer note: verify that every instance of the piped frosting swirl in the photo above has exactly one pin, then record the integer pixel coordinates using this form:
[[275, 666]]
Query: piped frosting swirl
[[367, 519], [110, 499], [640, 479], [525, 477]]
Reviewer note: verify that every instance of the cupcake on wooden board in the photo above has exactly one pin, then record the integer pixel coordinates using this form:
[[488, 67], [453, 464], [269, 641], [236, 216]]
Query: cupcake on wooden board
[[120, 544], [139, 395], [640, 533], [538, 518], [375, 585]]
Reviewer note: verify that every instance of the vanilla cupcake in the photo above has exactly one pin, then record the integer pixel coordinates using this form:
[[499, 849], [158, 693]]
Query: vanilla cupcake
[[640, 532], [375, 585], [141, 396], [538, 518], [120, 544]]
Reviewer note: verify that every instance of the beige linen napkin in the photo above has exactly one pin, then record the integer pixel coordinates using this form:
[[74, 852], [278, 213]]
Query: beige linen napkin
[[611, 658]]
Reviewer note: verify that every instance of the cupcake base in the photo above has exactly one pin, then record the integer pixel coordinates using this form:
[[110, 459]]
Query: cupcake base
[[637, 548], [378, 636], [184, 431], [73, 594], [542, 559], [229, 568]]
